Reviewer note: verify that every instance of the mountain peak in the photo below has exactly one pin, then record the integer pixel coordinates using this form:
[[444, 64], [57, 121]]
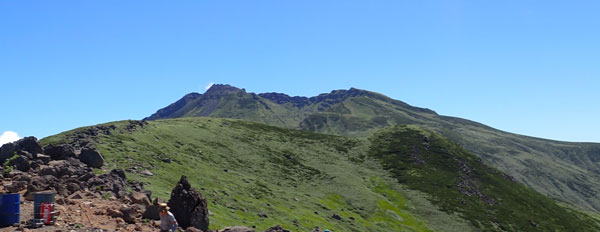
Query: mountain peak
[[218, 89]]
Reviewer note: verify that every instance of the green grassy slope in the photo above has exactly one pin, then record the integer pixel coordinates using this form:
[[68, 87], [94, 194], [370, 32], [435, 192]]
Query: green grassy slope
[[457, 181], [402, 179], [298, 179], [569, 172]]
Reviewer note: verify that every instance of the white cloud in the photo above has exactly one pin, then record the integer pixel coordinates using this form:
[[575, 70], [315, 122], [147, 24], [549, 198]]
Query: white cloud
[[208, 86], [8, 137]]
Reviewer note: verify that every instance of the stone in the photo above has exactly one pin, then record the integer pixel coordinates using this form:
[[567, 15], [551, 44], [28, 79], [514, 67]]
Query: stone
[[237, 229], [59, 152], [188, 206], [91, 157], [21, 163], [152, 212], [73, 187], [41, 183], [130, 214], [44, 158], [22, 177], [7, 151], [114, 213], [47, 170], [147, 173], [76, 196], [29, 144], [276, 229], [140, 198], [16, 186], [336, 217], [114, 182], [192, 229]]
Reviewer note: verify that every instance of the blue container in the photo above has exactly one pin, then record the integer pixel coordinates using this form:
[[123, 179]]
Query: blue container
[[38, 199], [9, 209]]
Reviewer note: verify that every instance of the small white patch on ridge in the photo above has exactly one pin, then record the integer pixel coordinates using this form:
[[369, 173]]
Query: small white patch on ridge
[[209, 85]]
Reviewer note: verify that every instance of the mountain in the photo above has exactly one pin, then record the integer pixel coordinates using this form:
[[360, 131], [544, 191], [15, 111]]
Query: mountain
[[568, 172], [402, 178]]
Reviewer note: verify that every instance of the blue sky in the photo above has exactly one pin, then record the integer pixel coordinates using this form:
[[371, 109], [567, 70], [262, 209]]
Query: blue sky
[[528, 67]]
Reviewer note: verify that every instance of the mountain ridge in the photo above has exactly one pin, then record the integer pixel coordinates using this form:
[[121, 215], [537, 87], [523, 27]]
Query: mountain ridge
[[566, 171]]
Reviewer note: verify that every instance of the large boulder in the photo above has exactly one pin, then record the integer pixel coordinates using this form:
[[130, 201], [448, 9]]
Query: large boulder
[[7, 151], [59, 152], [29, 144], [91, 157], [188, 206], [21, 163]]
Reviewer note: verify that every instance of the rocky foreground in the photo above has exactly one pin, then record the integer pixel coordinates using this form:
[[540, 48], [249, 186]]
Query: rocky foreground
[[93, 202]]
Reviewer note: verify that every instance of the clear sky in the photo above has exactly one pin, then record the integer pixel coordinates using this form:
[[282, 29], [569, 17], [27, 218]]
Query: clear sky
[[529, 67]]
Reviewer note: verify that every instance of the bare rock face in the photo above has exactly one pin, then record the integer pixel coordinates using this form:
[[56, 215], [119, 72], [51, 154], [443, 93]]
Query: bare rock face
[[188, 206]]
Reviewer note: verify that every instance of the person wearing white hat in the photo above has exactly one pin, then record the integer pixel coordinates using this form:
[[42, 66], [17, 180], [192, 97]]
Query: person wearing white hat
[[167, 220]]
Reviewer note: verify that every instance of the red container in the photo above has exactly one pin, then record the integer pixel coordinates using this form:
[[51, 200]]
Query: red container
[[47, 213]]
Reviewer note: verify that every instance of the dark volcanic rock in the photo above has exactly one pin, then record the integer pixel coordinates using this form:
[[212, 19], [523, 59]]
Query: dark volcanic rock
[[336, 217], [7, 151], [21, 163], [41, 183], [59, 152], [91, 157], [16, 186], [192, 229], [43, 158], [276, 229], [188, 206], [140, 198], [152, 212], [114, 182], [29, 144], [130, 214]]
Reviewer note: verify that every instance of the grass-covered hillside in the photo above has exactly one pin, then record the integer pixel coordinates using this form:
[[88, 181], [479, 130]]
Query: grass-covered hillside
[[569, 172], [458, 181], [252, 174], [294, 178]]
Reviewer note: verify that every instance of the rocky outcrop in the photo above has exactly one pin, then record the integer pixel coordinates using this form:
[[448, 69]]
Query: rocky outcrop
[[188, 206], [27, 145]]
